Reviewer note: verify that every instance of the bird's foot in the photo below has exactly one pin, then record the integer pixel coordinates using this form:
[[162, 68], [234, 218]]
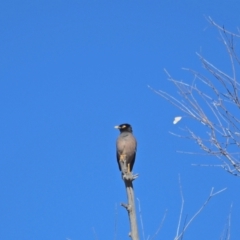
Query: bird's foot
[[129, 176], [135, 176]]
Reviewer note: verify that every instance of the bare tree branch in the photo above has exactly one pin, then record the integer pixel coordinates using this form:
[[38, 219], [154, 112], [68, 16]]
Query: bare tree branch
[[116, 222], [214, 103], [212, 194], [182, 206], [128, 178], [94, 233], [160, 226], [140, 214], [226, 232]]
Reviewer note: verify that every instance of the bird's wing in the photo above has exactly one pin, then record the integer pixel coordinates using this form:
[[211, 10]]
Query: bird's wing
[[118, 158], [134, 147], [132, 162]]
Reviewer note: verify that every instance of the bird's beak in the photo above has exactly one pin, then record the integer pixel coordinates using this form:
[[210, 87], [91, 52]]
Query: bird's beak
[[117, 127]]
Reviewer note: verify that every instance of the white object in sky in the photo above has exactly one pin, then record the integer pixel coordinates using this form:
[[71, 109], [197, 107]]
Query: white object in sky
[[176, 120]]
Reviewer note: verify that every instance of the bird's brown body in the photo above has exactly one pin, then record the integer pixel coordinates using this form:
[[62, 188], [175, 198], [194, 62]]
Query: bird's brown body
[[126, 147]]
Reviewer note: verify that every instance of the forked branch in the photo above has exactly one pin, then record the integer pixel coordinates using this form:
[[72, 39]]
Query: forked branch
[[212, 194]]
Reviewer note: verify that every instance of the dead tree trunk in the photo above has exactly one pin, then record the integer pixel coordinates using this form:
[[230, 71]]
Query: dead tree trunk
[[130, 206]]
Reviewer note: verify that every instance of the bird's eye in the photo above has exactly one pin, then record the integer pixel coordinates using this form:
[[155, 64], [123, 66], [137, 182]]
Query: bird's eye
[[123, 126]]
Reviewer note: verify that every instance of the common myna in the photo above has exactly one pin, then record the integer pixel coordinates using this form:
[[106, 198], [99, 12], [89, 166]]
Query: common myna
[[126, 148]]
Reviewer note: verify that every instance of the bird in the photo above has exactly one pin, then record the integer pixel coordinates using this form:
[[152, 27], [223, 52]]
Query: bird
[[126, 147]]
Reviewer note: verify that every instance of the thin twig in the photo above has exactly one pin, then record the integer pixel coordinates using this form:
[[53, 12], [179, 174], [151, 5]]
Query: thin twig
[[160, 226], [116, 222], [226, 231], [94, 233], [221, 28], [212, 194], [140, 215], [182, 205], [229, 223]]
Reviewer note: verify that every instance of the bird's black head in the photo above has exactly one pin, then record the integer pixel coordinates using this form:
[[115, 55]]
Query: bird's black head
[[125, 127]]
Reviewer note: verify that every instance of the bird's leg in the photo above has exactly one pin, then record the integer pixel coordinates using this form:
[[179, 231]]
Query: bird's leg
[[123, 163], [128, 168]]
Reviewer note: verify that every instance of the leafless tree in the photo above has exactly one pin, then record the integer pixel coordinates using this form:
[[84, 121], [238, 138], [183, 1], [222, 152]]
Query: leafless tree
[[212, 100]]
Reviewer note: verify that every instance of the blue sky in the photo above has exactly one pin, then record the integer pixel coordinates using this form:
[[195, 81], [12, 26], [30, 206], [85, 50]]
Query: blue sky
[[70, 71]]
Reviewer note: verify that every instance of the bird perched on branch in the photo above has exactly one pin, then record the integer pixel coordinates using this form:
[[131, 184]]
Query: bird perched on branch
[[126, 148]]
